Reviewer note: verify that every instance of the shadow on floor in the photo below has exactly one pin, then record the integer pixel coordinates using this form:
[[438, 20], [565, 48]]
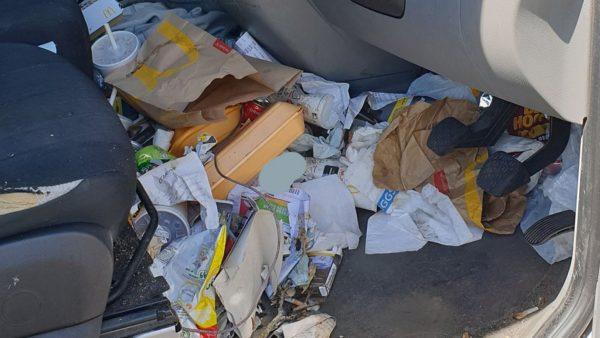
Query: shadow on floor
[[440, 291]]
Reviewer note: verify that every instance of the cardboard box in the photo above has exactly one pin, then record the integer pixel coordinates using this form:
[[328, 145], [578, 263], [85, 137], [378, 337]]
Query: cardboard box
[[220, 130], [244, 156], [322, 282]]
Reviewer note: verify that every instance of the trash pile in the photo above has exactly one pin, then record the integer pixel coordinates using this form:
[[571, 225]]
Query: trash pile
[[256, 168]]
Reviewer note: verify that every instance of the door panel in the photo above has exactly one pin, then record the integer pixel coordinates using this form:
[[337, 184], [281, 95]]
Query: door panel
[[295, 33], [531, 52]]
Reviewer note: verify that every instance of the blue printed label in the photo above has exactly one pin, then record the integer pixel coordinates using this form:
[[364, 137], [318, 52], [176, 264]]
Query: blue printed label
[[386, 199]]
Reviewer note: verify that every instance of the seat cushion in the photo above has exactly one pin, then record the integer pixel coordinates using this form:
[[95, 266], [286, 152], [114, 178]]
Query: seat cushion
[[59, 135], [37, 22]]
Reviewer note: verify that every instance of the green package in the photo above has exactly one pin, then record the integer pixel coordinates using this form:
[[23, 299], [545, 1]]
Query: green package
[[151, 157]]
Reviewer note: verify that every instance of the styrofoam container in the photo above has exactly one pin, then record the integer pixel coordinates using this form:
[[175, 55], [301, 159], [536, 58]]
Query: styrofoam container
[[106, 59], [172, 222]]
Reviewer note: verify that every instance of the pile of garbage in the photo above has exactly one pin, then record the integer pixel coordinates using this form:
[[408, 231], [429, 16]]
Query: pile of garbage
[[256, 168]]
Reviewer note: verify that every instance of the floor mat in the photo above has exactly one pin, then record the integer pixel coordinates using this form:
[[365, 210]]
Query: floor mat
[[440, 291], [143, 287]]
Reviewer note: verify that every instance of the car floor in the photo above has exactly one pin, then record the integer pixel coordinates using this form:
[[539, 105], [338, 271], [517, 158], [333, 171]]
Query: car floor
[[440, 291]]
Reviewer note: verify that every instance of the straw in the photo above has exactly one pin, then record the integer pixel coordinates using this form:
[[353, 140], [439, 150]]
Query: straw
[[113, 96], [111, 37]]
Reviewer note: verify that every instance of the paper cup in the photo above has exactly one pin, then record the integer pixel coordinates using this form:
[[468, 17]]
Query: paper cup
[[107, 59], [162, 138]]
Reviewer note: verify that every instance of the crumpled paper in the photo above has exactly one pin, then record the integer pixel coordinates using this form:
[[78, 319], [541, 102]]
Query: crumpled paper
[[181, 180], [313, 84], [322, 147], [316, 326]]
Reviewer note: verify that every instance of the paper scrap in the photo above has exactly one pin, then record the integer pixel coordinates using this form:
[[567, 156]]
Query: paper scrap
[[181, 180], [247, 45]]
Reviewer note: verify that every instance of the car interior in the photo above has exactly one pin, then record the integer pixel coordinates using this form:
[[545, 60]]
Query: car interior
[[73, 267]]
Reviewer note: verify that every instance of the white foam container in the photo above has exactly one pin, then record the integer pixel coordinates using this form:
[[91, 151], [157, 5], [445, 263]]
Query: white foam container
[[125, 58], [172, 222]]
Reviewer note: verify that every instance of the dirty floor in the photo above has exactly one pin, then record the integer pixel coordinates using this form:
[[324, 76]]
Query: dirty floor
[[440, 291]]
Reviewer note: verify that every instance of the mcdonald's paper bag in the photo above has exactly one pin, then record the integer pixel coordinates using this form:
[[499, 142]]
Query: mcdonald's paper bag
[[403, 161], [183, 76]]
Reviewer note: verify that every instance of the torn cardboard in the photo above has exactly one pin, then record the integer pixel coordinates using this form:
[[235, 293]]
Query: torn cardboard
[[184, 76], [403, 161]]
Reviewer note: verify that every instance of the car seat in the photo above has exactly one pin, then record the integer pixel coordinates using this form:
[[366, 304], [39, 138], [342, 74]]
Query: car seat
[[67, 183], [38, 22]]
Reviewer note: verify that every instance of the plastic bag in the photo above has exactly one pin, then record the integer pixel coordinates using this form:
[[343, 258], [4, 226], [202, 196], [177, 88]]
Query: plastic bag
[[428, 213], [332, 208], [557, 193], [561, 189], [189, 265], [388, 234], [358, 176], [204, 312], [323, 148], [436, 217], [359, 180], [557, 248], [331, 146], [438, 87]]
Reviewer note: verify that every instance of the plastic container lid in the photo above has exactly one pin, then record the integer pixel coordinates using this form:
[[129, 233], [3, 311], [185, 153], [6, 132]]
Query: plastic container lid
[[106, 59]]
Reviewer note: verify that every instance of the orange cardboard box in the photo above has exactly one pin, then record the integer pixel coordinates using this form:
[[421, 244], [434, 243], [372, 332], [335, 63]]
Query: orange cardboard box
[[264, 139], [220, 130]]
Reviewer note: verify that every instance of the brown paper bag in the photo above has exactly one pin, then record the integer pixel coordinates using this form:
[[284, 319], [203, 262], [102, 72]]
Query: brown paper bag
[[403, 161], [228, 91], [502, 215], [184, 76]]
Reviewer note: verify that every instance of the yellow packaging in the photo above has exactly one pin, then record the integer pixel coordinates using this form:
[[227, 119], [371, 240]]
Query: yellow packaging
[[220, 130], [204, 312], [264, 139]]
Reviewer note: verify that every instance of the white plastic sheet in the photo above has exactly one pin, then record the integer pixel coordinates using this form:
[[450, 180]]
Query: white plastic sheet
[[332, 209], [557, 248], [331, 146], [561, 189], [429, 213], [557, 193], [303, 143], [388, 234], [358, 177]]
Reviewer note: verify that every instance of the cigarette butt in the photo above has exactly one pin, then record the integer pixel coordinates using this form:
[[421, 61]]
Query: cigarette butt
[[523, 314]]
